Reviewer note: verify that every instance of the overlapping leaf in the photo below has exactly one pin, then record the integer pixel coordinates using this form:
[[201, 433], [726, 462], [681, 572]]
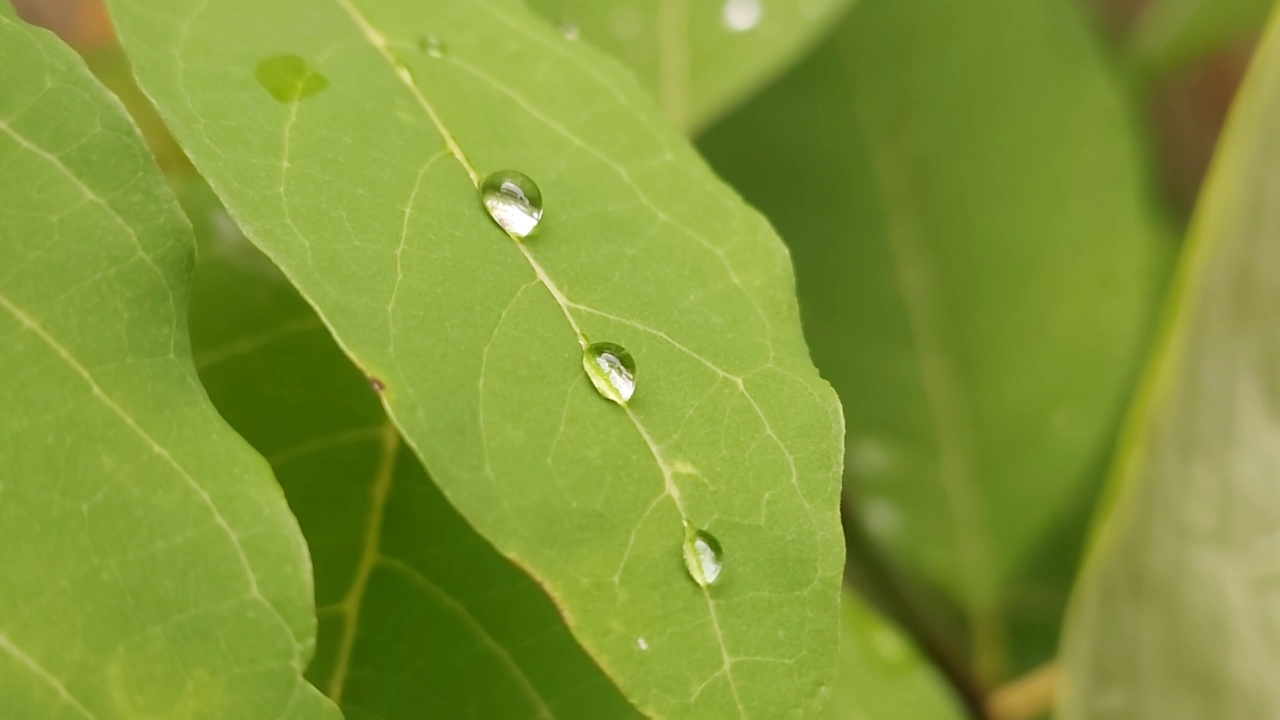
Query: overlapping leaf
[[418, 615], [1176, 613], [149, 566], [978, 260], [1170, 32], [698, 57], [363, 189]]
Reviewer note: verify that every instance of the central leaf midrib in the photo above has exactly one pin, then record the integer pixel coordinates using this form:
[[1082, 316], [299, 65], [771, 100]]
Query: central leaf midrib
[[378, 41]]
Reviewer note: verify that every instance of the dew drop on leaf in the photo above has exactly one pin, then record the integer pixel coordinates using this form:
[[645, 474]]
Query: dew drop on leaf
[[612, 370], [741, 15], [513, 201], [432, 46], [570, 31], [289, 78], [702, 555]]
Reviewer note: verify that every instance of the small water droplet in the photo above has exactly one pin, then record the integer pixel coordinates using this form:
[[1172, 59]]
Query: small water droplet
[[513, 201], [432, 46], [289, 78], [702, 555], [612, 370], [377, 385], [642, 643], [741, 15], [570, 31]]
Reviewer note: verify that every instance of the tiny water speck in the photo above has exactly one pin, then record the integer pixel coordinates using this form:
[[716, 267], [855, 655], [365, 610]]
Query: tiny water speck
[[741, 15], [642, 643], [289, 78], [432, 46], [513, 201], [612, 371], [377, 385], [703, 556], [570, 31]]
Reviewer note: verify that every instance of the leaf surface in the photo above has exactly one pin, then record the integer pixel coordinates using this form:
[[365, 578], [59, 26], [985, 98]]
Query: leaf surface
[[151, 567], [884, 677], [1175, 614], [364, 190], [978, 261], [699, 58], [419, 616], [1172, 32]]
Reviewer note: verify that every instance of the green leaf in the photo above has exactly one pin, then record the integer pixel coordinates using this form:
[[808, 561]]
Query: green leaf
[[882, 676], [365, 194], [1175, 612], [419, 616], [149, 566], [1174, 32], [699, 58], [978, 261]]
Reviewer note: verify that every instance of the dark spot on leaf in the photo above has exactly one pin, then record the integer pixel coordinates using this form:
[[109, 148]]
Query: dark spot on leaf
[[289, 78], [377, 385]]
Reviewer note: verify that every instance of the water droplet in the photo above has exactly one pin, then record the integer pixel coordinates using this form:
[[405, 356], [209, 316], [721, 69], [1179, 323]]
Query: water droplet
[[432, 46], [513, 201], [612, 370], [289, 78], [570, 31], [702, 555], [741, 15], [642, 643]]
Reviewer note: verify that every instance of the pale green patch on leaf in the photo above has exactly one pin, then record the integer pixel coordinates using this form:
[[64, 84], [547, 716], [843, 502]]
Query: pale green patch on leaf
[[419, 616], [699, 58], [1173, 32], [1175, 616], [149, 566], [978, 263], [883, 676], [366, 194]]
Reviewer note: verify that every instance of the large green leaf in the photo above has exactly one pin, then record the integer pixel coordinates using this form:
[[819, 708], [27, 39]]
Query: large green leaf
[[698, 57], [149, 566], [882, 677], [419, 617], [1171, 32], [363, 189], [1175, 616], [978, 260]]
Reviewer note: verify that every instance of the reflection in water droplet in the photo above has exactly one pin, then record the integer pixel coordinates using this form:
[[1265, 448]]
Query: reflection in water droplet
[[702, 555], [432, 46], [513, 201], [612, 370], [289, 78], [570, 31], [741, 15]]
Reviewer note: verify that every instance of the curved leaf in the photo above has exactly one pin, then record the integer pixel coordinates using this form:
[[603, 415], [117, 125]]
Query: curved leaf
[[363, 189], [978, 262], [1175, 616], [149, 566], [419, 616], [699, 58], [1173, 32]]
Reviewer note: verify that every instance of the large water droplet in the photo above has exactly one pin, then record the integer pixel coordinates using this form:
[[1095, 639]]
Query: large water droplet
[[612, 370], [432, 46], [702, 555], [289, 78], [513, 201], [741, 15]]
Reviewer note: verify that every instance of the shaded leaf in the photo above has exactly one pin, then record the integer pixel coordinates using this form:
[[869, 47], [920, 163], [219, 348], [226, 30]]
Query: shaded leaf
[[1172, 32], [365, 193], [882, 676], [699, 58], [419, 616], [978, 259], [149, 566], [1175, 613]]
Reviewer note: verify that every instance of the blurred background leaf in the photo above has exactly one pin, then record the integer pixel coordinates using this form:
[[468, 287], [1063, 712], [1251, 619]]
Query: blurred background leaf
[[1169, 33], [698, 58], [419, 616], [979, 253], [1175, 616]]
